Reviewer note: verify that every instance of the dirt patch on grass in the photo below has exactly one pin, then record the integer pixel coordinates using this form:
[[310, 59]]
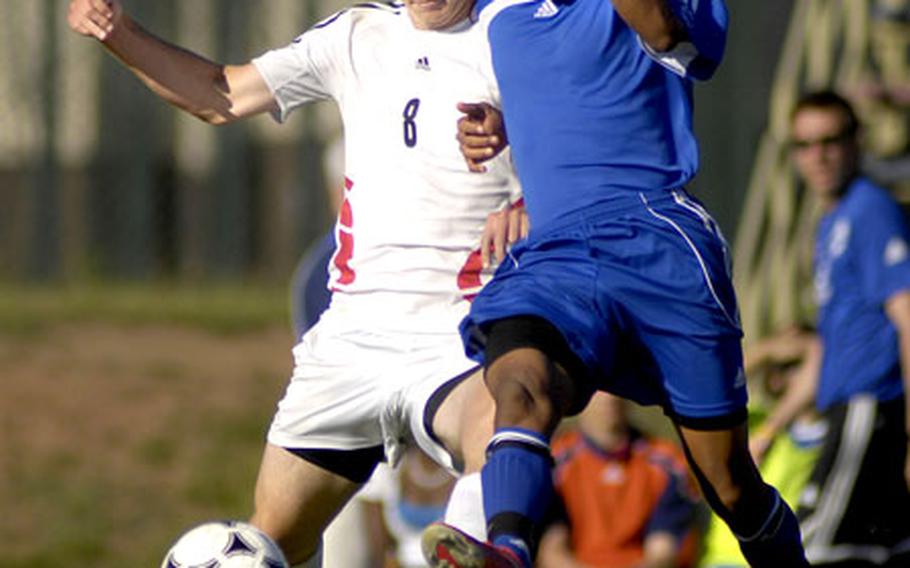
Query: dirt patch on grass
[[114, 439]]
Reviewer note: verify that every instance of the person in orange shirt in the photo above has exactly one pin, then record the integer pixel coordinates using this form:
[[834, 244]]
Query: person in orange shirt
[[624, 499]]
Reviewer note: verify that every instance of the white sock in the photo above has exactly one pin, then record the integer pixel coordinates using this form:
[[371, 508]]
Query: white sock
[[465, 508]]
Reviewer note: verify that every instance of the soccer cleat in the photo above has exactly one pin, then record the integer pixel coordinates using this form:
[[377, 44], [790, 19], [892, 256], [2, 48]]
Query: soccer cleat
[[444, 546]]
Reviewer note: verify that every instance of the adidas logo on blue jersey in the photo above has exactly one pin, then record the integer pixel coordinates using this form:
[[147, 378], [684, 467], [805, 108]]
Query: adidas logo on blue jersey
[[740, 381], [423, 63], [546, 10]]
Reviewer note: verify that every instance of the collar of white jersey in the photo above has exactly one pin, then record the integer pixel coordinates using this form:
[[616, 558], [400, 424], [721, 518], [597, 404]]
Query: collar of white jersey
[[491, 9], [457, 27]]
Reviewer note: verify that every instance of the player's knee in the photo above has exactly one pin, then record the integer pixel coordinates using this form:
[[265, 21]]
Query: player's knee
[[727, 492], [523, 393], [265, 520], [269, 515], [729, 483]]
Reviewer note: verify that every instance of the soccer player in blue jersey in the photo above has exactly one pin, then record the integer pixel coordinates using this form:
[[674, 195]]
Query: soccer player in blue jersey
[[623, 283], [854, 510]]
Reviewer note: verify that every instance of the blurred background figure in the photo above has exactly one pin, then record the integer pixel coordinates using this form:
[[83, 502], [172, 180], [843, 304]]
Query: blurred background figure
[[778, 365], [883, 97], [624, 498], [786, 363], [853, 511], [398, 504], [309, 292]]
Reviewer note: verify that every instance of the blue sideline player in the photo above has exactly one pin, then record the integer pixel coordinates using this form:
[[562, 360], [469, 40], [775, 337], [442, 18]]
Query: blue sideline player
[[623, 284], [853, 510]]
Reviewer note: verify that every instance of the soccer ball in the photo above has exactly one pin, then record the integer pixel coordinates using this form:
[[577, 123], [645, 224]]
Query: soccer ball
[[224, 544]]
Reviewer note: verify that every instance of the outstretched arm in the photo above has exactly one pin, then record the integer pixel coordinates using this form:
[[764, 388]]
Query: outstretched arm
[[213, 92], [800, 394]]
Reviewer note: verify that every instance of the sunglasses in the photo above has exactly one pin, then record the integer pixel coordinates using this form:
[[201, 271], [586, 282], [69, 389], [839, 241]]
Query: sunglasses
[[824, 141]]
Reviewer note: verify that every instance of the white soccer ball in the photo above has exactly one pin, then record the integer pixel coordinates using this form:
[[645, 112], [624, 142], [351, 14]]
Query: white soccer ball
[[224, 544]]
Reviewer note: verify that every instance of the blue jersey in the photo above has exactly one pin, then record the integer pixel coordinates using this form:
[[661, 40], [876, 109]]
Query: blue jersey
[[617, 117], [861, 260]]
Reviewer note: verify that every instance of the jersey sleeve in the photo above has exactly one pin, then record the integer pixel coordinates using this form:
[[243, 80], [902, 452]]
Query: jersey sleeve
[[882, 252], [706, 23], [310, 69]]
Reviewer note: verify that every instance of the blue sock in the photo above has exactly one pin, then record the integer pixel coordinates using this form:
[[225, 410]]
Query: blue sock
[[517, 487], [777, 543]]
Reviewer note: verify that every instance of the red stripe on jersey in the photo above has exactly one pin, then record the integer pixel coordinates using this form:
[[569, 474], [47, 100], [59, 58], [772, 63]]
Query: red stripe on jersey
[[346, 216], [343, 257], [469, 275], [345, 238]]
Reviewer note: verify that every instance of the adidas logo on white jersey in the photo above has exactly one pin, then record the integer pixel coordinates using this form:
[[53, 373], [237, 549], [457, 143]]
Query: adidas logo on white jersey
[[546, 10], [423, 63]]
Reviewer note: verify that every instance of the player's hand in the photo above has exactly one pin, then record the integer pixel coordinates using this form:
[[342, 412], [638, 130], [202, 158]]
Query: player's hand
[[503, 229], [95, 18], [481, 134]]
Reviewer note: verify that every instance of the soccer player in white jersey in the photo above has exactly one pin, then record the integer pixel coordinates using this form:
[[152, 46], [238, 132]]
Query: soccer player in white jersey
[[385, 362]]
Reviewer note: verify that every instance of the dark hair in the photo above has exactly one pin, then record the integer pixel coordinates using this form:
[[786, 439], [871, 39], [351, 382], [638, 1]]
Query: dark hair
[[829, 100]]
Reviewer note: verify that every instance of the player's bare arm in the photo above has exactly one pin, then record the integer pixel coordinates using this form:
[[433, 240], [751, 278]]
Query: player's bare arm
[[898, 310], [800, 394], [653, 21], [788, 346], [481, 134], [215, 93]]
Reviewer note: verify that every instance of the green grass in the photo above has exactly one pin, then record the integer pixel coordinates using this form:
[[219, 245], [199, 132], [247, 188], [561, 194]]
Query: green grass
[[215, 308], [121, 500]]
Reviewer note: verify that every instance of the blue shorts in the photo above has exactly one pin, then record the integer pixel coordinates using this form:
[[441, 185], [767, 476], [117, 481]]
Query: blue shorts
[[641, 291]]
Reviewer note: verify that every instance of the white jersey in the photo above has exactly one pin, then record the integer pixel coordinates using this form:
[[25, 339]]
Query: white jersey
[[408, 231], [409, 228]]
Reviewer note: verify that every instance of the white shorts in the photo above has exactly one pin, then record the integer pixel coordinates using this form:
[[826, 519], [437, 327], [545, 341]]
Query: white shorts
[[358, 386]]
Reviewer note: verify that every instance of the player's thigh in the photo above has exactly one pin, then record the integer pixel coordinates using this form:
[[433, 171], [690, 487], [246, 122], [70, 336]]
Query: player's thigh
[[526, 389], [296, 499], [546, 298], [463, 421], [679, 307]]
